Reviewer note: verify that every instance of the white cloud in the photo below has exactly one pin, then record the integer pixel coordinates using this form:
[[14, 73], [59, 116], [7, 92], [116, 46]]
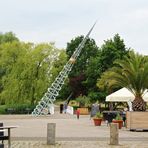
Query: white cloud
[[62, 20]]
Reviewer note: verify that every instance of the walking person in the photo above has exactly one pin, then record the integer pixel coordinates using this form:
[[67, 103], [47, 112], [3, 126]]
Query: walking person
[[78, 113]]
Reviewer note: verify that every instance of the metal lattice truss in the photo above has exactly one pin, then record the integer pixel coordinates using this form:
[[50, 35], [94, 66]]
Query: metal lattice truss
[[46, 103]]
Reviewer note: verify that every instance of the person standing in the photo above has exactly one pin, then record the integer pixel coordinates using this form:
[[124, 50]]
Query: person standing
[[61, 108], [124, 116], [94, 110], [78, 113], [65, 107]]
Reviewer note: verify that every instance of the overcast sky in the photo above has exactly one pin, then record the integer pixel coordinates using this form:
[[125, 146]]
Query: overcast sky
[[61, 20]]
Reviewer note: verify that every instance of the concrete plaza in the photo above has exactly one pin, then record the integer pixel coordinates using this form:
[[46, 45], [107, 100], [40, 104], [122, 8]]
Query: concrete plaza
[[70, 132]]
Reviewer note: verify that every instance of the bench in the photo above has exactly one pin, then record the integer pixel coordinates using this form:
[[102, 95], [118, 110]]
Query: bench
[[1, 145], [2, 136], [10, 110]]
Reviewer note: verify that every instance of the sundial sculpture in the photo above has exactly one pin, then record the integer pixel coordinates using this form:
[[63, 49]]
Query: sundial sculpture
[[49, 97]]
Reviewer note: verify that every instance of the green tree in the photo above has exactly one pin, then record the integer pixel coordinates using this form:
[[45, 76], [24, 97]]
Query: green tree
[[111, 50], [9, 54], [93, 61], [58, 64], [27, 70], [78, 73], [105, 85], [7, 37], [37, 70], [131, 72]]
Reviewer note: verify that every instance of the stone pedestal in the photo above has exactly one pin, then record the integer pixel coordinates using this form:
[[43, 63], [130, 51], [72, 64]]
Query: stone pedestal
[[51, 133], [114, 134]]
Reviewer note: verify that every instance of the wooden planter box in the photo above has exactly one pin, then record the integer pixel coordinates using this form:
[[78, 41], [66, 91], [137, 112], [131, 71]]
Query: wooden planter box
[[84, 111], [137, 120]]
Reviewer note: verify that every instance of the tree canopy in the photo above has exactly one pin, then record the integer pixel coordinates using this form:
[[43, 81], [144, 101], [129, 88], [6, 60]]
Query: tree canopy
[[93, 61], [111, 50], [78, 73], [7, 37], [26, 70]]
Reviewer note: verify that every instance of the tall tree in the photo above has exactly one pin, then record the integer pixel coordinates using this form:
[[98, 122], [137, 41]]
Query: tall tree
[[27, 71], [92, 62], [9, 54], [7, 37], [36, 73], [111, 50], [77, 75]]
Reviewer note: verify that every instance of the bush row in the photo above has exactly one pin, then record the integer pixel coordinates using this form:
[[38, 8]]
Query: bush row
[[16, 109]]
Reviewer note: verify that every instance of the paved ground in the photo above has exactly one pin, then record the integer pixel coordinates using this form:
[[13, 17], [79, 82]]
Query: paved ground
[[70, 132]]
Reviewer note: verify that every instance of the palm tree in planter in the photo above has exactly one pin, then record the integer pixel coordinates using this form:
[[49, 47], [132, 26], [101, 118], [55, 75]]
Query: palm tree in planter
[[98, 119], [132, 73]]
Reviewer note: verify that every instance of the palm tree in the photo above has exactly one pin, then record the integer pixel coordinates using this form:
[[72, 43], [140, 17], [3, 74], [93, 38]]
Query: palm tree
[[132, 73]]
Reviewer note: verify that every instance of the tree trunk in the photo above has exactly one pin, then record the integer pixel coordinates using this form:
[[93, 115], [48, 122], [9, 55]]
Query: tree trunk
[[138, 104]]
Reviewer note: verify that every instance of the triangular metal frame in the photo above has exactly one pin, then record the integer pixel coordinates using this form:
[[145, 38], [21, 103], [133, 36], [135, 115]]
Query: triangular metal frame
[[49, 97]]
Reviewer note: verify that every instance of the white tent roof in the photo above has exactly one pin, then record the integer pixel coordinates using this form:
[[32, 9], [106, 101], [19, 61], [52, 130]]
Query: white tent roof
[[123, 95]]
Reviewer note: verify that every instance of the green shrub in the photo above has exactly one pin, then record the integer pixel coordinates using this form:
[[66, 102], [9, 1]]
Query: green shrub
[[75, 107], [2, 109], [83, 101], [118, 117], [73, 103], [98, 115], [17, 109]]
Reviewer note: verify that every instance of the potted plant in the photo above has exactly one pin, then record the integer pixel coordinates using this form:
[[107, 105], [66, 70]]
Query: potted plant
[[98, 119], [118, 120]]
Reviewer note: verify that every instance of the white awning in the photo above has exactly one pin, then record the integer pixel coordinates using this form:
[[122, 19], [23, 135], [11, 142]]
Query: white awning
[[123, 95]]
